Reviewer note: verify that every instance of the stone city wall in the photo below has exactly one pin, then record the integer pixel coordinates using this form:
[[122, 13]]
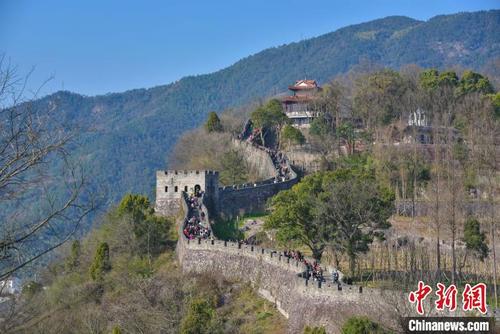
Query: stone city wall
[[257, 159], [171, 183], [278, 280], [303, 160], [238, 200], [250, 198]]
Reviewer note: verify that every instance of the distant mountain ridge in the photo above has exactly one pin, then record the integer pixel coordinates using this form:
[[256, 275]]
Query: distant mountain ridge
[[134, 131]]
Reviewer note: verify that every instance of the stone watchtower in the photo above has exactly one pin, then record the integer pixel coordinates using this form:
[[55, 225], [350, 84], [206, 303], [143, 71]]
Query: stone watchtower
[[171, 183]]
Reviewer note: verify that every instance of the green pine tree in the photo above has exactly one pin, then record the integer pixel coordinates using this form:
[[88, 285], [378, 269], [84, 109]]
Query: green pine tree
[[73, 260], [475, 240], [101, 262], [234, 168], [213, 123]]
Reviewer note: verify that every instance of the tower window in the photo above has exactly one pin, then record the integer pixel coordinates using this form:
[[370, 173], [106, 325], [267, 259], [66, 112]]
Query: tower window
[[166, 189], [176, 189], [185, 188]]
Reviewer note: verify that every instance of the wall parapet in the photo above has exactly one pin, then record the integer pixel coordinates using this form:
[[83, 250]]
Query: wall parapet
[[189, 172], [276, 277], [252, 197], [272, 257], [278, 280]]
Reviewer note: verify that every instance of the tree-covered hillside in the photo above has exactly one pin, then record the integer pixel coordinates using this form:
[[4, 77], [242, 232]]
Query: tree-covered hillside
[[127, 136], [123, 278]]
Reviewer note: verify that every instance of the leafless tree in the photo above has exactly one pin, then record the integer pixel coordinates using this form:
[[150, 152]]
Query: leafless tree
[[42, 187], [484, 137]]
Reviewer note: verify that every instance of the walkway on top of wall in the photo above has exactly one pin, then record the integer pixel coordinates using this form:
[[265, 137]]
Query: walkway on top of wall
[[284, 174]]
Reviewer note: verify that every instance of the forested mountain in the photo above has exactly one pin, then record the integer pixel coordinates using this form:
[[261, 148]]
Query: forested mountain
[[127, 136]]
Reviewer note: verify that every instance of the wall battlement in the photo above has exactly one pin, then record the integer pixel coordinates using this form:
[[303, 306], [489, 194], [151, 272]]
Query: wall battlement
[[271, 257], [226, 201], [189, 172], [170, 184], [278, 280]]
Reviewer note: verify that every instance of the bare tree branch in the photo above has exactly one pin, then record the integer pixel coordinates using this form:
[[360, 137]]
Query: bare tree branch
[[34, 146]]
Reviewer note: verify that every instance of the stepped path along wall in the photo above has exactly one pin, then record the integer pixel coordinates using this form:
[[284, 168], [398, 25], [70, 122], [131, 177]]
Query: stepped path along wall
[[232, 200], [277, 278]]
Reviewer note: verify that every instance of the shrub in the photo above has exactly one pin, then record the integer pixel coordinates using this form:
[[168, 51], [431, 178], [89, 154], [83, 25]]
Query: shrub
[[314, 330], [31, 288], [475, 240], [116, 330], [292, 136], [199, 318], [362, 325]]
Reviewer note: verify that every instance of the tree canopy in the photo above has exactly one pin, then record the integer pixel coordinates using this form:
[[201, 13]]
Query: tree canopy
[[378, 97], [432, 79], [150, 231], [292, 136], [358, 208], [475, 240], [234, 168], [312, 214], [213, 123], [470, 82], [268, 116], [293, 215]]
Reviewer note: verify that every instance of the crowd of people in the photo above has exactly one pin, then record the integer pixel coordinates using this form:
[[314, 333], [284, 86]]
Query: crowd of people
[[313, 269], [280, 163], [196, 225], [294, 255], [254, 136]]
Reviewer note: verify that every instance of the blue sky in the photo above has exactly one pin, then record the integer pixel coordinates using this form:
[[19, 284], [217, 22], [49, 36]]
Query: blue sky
[[94, 47]]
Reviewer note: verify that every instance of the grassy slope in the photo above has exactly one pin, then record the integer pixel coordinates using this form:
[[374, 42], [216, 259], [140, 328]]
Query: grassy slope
[[138, 293]]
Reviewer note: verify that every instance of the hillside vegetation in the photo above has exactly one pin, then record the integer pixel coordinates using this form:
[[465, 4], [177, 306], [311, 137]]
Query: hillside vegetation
[[124, 278], [371, 155], [131, 133], [125, 137]]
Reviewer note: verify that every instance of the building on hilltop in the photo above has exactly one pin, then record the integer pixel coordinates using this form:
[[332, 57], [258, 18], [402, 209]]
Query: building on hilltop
[[170, 185], [420, 131], [297, 106], [418, 118]]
